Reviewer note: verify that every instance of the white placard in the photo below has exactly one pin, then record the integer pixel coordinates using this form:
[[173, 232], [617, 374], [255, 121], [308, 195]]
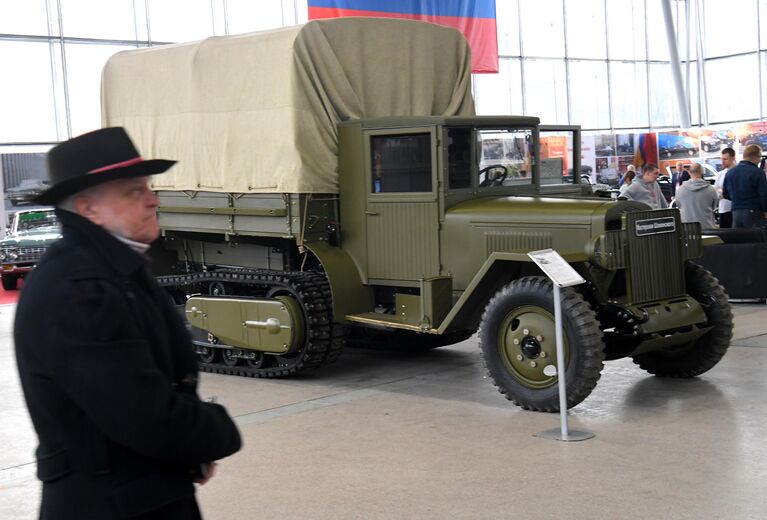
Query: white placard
[[556, 268]]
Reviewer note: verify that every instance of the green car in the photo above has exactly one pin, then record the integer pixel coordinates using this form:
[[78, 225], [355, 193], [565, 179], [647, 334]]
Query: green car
[[30, 234]]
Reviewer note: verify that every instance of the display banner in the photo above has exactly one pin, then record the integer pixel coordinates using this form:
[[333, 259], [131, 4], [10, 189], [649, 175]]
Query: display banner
[[646, 150], [474, 18]]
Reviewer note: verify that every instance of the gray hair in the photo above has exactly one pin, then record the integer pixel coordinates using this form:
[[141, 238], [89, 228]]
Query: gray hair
[[69, 202]]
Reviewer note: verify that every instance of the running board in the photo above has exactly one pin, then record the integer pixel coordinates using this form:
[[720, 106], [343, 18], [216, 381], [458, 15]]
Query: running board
[[389, 321]]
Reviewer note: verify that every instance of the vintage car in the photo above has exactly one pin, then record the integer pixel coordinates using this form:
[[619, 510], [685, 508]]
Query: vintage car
[[758, 138], [677, 149], [604, 150], [30, 234], [26, 191], [710, 143]]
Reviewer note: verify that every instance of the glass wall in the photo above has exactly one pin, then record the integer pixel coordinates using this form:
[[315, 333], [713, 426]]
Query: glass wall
[[602, 64], [52, 53]]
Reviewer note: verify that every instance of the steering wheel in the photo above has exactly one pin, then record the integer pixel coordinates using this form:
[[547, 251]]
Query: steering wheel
[[495, 179]]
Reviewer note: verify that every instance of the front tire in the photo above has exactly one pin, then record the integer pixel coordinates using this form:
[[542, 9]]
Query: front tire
[[517, 339], [10, 282], [704, 353]]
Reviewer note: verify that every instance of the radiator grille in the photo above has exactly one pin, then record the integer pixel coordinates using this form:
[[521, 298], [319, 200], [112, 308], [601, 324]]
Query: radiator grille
[[655, 268], [692, 246], [25, 254], [610, 250]]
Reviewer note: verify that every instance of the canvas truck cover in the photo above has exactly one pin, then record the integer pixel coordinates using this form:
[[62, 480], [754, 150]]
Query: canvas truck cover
[[258, 112]]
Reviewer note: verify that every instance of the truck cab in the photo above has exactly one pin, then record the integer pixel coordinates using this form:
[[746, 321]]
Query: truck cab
[[426, 201]]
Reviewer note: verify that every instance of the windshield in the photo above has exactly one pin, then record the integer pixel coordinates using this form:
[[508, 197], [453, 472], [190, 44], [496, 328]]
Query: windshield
[[37, 221], [486, 158], [505, 158]]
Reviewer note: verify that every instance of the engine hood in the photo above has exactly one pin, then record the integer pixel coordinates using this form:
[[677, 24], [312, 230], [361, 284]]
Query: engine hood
[[30, 240], [538, 211], [475, 229]]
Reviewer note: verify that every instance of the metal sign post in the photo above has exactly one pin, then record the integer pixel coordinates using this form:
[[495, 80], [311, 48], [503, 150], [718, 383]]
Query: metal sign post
[[561, 275]]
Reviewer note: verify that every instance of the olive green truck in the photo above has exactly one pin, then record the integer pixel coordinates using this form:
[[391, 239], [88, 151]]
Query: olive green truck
[[335, 186]]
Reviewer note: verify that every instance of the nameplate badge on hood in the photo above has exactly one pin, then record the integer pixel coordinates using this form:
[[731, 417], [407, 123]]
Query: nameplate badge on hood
[[654, 226]]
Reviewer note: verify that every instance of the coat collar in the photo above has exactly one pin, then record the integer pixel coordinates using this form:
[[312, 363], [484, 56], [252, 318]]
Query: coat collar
[[117, 254]]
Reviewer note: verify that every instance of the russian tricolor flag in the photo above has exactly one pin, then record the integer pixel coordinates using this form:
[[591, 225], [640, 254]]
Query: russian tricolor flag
[[474, 18]]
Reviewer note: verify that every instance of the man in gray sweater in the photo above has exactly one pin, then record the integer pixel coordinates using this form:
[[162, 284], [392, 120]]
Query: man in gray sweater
[[646, 188], [697, 199]]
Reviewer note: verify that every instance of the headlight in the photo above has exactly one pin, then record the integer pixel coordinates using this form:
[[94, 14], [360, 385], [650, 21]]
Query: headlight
[[2, 256], [11, 254]]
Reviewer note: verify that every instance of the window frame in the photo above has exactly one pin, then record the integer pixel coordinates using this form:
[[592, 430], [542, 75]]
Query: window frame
[[410, 196]]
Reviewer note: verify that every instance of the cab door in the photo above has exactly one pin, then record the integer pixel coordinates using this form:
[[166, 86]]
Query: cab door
[[401, 211]]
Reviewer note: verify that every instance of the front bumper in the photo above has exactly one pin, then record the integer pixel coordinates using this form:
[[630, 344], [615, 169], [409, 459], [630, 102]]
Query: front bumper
[[17, 269]]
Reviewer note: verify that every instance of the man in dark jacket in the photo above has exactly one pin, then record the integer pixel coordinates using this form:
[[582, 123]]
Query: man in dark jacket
[[106, 363], [746, 186]]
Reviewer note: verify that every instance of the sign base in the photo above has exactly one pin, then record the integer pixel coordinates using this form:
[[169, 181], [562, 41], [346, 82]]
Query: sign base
[[572, 435]]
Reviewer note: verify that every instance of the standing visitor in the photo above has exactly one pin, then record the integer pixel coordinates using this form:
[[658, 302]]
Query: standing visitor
[[746, 186], [697, 199], [105, 360]]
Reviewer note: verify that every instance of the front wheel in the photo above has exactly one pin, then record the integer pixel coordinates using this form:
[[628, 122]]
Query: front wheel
[[701, 355], [10, 282], [518, 343]]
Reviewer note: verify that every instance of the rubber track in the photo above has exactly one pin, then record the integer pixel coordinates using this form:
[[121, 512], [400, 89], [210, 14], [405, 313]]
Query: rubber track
[[325, 340]]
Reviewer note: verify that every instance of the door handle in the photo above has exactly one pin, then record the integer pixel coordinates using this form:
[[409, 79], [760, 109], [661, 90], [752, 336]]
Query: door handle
[[371, 213]]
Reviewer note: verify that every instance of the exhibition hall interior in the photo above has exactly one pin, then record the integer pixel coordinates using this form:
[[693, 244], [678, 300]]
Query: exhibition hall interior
[[386, 225]]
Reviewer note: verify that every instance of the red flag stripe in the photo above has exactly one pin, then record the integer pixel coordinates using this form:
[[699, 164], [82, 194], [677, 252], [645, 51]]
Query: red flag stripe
[[480, 32]]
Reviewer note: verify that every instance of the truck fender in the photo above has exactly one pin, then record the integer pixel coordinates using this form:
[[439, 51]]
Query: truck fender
[[498, 270], [350, 296]]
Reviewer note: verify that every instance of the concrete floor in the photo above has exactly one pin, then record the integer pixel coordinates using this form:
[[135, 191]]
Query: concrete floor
[[385, 436]]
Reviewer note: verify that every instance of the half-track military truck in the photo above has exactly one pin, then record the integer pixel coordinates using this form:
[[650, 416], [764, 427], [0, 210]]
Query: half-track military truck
[[334, 185]]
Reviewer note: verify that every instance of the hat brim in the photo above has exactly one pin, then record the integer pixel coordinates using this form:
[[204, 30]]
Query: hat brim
[[64, 189]]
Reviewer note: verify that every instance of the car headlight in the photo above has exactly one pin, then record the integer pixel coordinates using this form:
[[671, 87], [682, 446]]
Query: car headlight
[[11, 254], [2, 256]]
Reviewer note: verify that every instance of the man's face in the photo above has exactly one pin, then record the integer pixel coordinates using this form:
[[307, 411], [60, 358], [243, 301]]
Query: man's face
[[727, 161], [651, 176], [125, 207]]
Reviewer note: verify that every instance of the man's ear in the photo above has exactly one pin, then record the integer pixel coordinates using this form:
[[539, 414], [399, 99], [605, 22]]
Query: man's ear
[[87, 207]]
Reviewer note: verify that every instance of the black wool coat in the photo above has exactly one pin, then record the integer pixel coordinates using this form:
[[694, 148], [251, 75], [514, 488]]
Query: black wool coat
[[110, 380]]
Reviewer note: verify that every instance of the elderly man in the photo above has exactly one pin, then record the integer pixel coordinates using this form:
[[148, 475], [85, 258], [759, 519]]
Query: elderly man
[[746, 187], [105, 360], [676, 177], [645, 188], [697, 199]]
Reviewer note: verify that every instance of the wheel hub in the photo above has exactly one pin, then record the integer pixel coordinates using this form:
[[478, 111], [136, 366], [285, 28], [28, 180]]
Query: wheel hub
[[527, 346], [531, 348]]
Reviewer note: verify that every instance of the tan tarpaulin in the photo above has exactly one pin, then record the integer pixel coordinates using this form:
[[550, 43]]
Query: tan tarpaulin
[[258, 112]]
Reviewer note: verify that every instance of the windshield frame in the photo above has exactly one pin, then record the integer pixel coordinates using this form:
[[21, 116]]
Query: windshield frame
[[475, 159]]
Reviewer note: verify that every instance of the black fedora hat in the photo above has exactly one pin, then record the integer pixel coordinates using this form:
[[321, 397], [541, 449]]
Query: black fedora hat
[[94, 158]]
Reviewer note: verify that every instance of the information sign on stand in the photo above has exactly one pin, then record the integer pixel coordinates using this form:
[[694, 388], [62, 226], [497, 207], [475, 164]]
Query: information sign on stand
[[561, 275]]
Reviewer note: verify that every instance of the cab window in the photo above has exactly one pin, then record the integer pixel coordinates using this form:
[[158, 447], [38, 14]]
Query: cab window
[[401, 163], [556, 157]]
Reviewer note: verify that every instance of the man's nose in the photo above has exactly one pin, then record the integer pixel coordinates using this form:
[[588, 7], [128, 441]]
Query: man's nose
[[153, 199]]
